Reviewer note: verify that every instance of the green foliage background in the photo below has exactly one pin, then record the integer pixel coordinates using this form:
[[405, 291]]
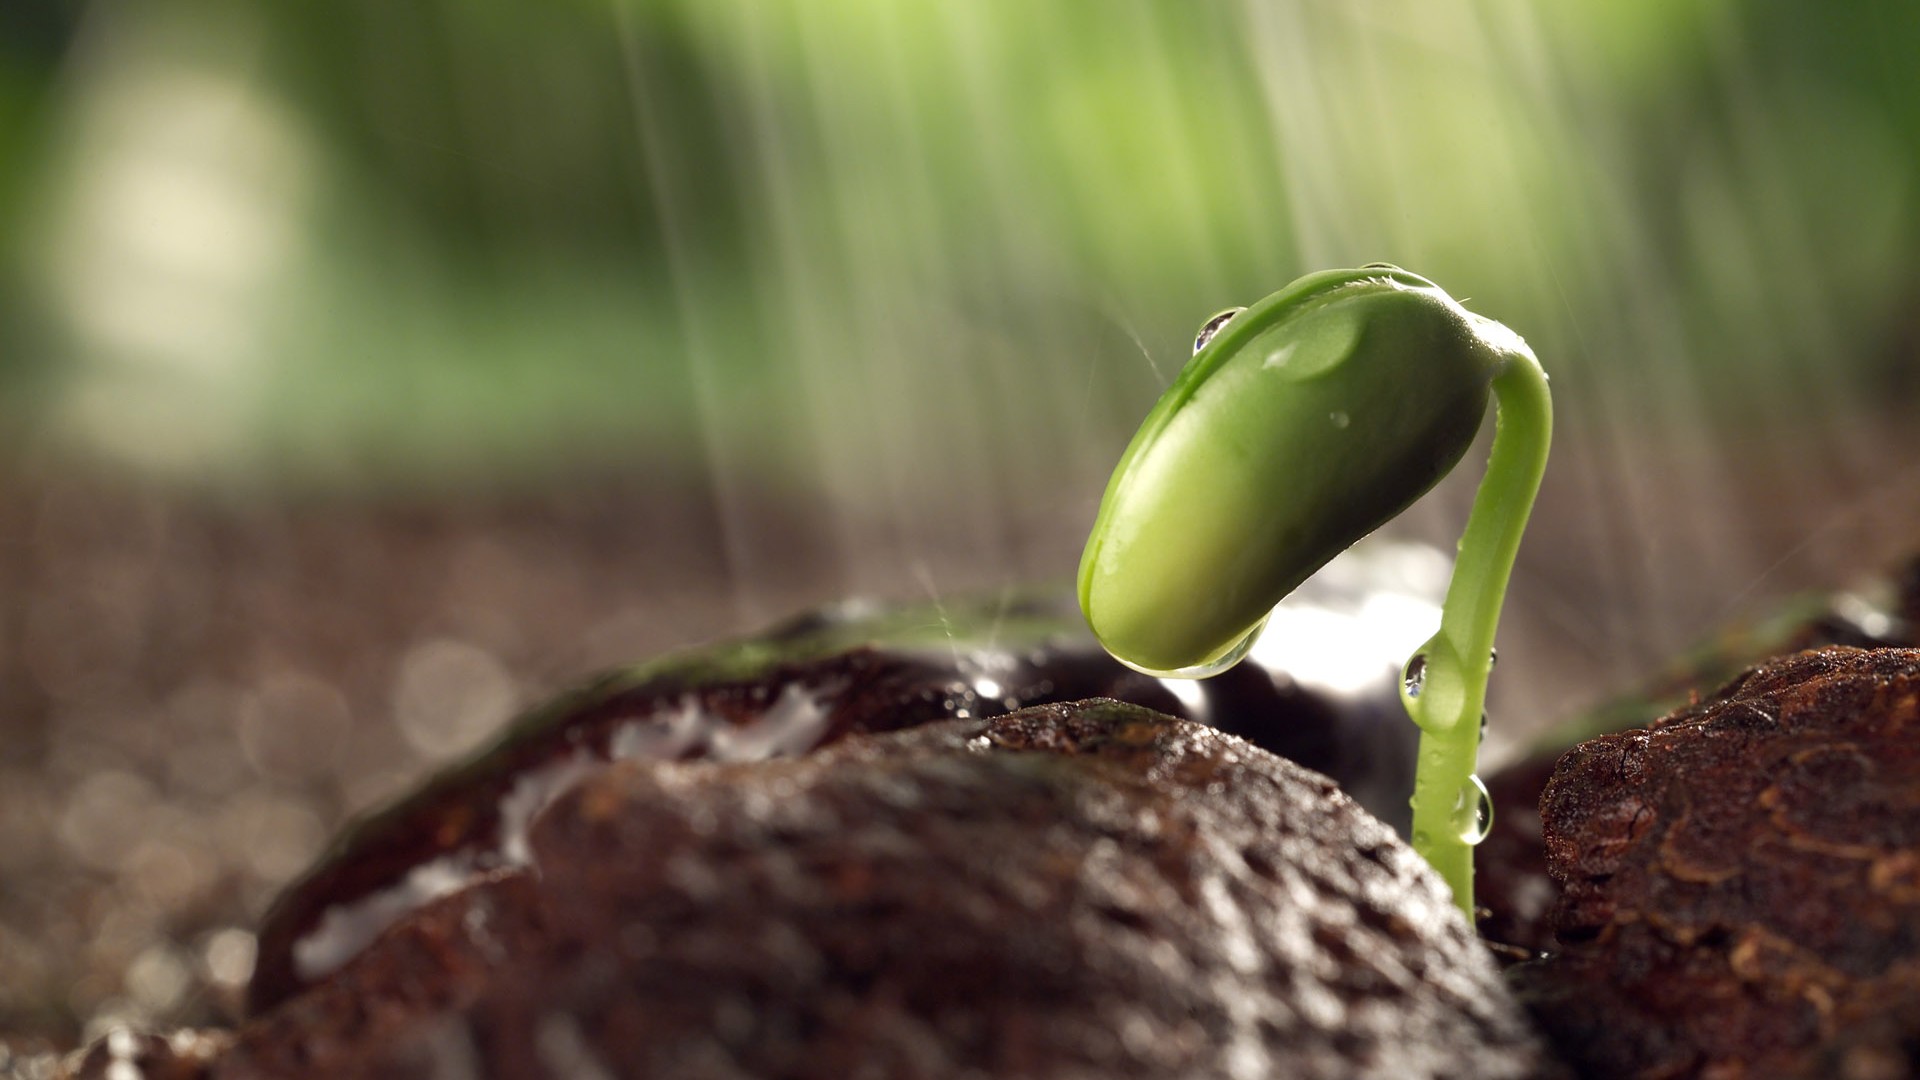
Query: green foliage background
[[882, 255]]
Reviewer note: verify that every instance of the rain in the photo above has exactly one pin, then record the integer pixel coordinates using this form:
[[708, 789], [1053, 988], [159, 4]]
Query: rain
[[371, 372]]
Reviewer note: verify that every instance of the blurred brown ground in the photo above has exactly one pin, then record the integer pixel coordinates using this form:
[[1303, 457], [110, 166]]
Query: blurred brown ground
[[197, 688], [195, 691]]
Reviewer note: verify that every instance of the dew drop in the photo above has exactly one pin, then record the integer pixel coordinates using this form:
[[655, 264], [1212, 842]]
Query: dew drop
[[1493, 659], [1414, 679], [1212, 326], [1473, 811], [1483, 725], [1340, 419], [1211, 668], [1227, 659]]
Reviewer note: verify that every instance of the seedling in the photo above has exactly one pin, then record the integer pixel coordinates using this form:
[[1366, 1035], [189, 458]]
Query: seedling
[[1300, 425]]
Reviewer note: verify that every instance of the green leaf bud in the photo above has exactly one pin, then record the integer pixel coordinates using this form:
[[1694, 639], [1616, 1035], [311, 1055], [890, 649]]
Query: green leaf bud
[[1300, 425]]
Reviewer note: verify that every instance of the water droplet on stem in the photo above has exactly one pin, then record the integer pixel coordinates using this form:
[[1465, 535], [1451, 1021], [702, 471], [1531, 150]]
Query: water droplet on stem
[[1414, 679], [1473, 812]]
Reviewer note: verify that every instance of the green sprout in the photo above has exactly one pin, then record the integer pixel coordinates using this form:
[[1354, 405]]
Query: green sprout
[[1300, 425]]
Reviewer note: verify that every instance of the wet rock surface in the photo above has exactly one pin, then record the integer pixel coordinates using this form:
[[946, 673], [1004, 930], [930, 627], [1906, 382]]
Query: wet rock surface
[[1078, 890], [199, 692], [1513, 886], [1741, 881], [125, 1053], [806, 685]]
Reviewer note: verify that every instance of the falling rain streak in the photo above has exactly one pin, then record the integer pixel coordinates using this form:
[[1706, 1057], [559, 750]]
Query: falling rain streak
[[885, 287], [939, 260]]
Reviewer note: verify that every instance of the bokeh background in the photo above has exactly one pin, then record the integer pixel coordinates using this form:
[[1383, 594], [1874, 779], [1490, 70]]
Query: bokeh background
[[369, 370]]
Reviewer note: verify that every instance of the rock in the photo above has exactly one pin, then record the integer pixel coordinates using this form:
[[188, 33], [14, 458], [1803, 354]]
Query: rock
[[1741, 881], [1067, 890], [1513, 886], [808, 684], [122, 1054]]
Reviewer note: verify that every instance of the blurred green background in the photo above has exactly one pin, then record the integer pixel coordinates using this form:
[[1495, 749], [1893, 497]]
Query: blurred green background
[[634, 322], [919, 268]]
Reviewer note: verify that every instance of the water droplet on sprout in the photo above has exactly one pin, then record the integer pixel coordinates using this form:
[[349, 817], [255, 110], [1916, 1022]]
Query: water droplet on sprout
[[1229, 658], [1415, 678], [1340, 419], [1473, 811], [1212, 326], [1201, 671], [1493, 659]]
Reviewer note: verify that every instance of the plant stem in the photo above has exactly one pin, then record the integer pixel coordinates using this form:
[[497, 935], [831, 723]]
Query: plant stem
[[1458, 659]]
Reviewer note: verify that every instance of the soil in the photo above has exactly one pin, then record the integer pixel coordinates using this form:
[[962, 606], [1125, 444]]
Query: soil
[[199, 690], [1740, 882], [796, 690], [1091, 889], [1514, 887], [181, 832]]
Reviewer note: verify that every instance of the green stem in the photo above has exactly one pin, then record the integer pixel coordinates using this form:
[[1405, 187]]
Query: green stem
[[1458, 659]]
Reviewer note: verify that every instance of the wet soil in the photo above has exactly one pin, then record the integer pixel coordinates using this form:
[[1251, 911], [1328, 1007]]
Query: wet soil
[[1514, 888], [155, 803], [1740, 882], [197, 692], [1065, 890]]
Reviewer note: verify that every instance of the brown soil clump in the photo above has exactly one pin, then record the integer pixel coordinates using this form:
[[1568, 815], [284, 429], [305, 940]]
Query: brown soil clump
[[1079, 890], [1514, 889], [1741, 881]]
